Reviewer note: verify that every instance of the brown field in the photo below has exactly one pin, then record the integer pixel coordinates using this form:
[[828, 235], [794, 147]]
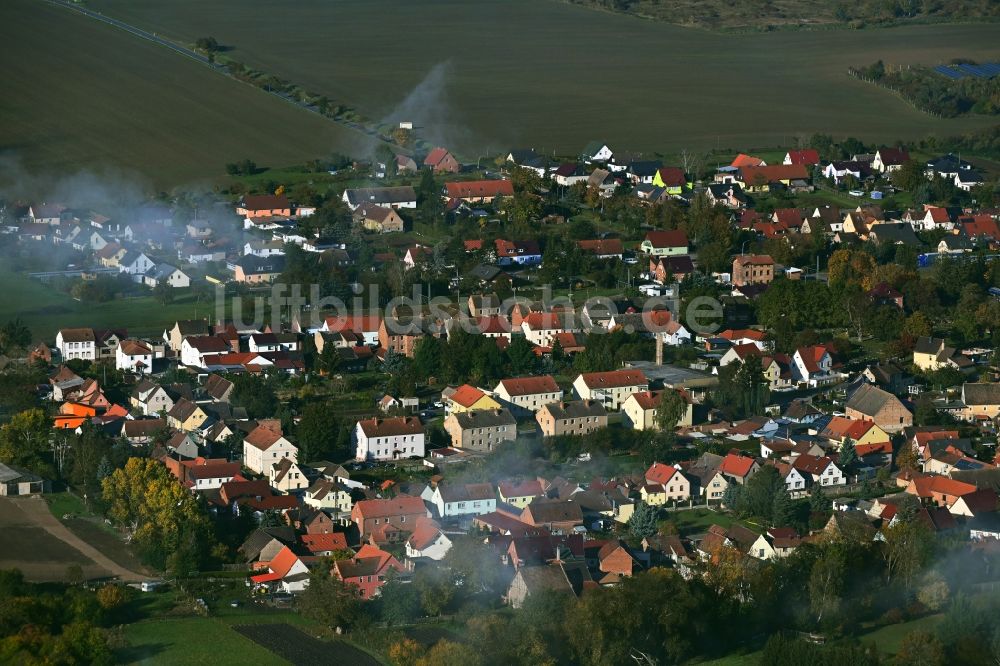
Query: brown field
[[44, 549]]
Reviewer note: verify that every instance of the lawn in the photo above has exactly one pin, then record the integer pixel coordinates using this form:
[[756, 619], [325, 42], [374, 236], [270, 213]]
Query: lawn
[[554, 76], [697, 521], [194, 640], [98, 99], [45, 310], [889, 639]]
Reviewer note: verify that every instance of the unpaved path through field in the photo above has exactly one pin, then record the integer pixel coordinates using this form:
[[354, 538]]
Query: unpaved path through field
[[37, 511]]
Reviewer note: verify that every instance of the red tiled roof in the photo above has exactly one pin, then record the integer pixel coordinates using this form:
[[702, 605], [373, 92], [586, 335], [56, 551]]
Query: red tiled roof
[[743, 160], [614, 379], [399, 425], [672, 176], [530, 385], [806, 157], [327, 541], [668, 238], [660, 473], [404, 505], [736, 465], [479, 188], [466, 395], [279, 567]]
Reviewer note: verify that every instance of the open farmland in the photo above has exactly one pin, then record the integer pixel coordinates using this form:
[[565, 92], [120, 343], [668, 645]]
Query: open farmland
[[95, 96], [501, 73]]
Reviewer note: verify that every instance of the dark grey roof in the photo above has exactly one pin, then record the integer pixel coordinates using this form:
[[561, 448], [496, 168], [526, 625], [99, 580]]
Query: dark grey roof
[[485, 418], [981, 394], [574, 409], [870, 400], [380, 195]]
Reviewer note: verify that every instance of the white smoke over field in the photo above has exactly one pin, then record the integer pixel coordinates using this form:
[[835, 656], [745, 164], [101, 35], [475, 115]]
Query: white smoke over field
[[106, 189]]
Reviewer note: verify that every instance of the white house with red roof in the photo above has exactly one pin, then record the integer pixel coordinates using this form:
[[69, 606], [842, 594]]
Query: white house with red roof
[[134, 356], [286, 573], [194, 349], [427, 541], [263, 446], [804, 157], [541, 328], [389, 439], [665, 243], [610, 388], [813, 366], [675, 485], [528, 394], [746, 336], [819, 470], [365, 326], [367, 570]]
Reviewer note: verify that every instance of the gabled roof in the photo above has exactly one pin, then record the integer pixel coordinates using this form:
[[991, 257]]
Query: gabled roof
[[479, 188], [660, 473], [575, 409], [614, 379], [668, 238], [870, 400], [484, 418], [806, 156], [400, 425], [736, 465], [403, 505], [520, 386]]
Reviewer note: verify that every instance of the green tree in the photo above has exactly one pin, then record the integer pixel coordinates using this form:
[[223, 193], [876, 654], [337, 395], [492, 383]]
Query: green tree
[[315, 432], [329, 601], [848, 454], [826, 583], [643, 522], [671, 409]]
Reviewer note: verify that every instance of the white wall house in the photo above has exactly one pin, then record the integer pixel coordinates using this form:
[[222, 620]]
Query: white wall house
[[389, 439], [263, 447], [77, 343], [528, 394], [134, 356], [611, 389], [471, 499], [195, 348], [428, 541]]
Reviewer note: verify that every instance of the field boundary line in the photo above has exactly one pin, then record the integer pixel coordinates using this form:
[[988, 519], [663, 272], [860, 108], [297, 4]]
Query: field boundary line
[[215, 67], [37, 509]]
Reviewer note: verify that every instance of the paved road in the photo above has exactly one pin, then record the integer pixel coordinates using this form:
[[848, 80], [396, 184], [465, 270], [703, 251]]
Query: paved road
[[218, 68], [37, 509]]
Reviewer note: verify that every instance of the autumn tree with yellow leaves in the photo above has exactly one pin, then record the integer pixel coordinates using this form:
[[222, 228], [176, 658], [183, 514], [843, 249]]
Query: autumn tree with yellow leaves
[[164, 522]]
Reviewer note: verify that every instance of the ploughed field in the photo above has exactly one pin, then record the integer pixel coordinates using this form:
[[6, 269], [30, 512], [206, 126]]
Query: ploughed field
[[524, 73], [81, 94]]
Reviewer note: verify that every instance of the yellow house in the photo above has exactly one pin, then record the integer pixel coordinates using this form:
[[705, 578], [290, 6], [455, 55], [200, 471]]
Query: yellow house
[[859, 431], [519, 493], [671, 179], [980, 401], [639, 411], [186, 415], [468, 398], [653, 494]]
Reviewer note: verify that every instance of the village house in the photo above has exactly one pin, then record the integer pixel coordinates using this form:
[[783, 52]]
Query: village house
[[186, 415], [329, 495], [454, 500], [388, 520], [265, 445], [610, 389], [286, 573], [639, 410], [673, 484], [467, 398], [134, 356], [819, 470], [251, 269], [520, 493], [391, 197], [440, 160], [980, 402], [368, 570], [813, 366], [541, 328], [524, 395], [671, 268], [480, 429], [389, 439], [77, 343], [557, 516], [378, 219], [930, 354], [428, 541], [264, 205], [478, 191], [753, 269], [286, 477], [194, 349], [575, 417], [150, 398], [886, 410], [665, 243]]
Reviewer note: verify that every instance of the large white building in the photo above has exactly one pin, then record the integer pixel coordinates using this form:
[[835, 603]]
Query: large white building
[[611, 389], [194, 349], [471, 499], [528, 394], [77, 343], [389, 439], [263, 447]]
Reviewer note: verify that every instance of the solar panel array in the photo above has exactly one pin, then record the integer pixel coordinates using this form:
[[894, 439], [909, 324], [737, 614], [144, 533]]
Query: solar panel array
[[986, 70]]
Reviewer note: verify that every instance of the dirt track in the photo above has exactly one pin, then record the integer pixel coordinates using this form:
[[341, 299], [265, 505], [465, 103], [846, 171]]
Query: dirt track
[[32, 513]]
